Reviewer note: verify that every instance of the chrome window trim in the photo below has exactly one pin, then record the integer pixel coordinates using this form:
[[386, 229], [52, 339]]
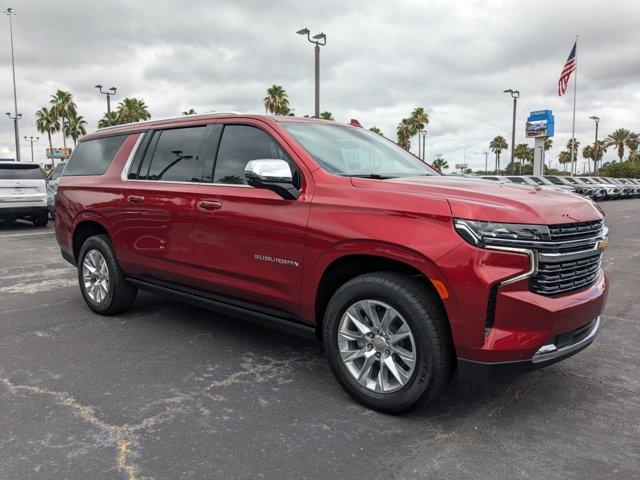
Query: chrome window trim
[[127, 165]]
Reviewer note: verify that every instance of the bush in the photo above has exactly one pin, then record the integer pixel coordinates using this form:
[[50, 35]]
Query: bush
[[621, 170]]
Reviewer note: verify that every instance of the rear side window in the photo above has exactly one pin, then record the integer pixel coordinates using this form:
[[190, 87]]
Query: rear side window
[[93, 157], [18, 172], [174, 157]]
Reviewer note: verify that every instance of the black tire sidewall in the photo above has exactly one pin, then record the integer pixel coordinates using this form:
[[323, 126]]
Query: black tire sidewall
[[98, 243], [378, 287]]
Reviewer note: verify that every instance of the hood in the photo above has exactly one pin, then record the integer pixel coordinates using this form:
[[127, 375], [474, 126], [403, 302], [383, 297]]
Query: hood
[[488, 200]]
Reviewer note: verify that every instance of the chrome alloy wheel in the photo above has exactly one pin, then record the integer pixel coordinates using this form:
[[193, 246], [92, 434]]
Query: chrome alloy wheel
[[95, 275], [377, 346]]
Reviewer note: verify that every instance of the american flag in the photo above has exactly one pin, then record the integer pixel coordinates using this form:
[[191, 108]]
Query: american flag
[[569, 68]]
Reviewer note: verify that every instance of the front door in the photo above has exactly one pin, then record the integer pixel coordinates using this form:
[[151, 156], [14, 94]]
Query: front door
[[249, 243]]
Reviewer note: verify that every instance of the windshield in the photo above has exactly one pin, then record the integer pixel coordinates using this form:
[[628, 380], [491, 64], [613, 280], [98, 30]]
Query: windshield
[[586, 180], [356, 152], [517, 179], [555, 180], [571, 180], [539, 181]]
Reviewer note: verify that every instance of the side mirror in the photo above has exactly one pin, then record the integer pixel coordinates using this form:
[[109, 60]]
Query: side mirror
[[272, 174]]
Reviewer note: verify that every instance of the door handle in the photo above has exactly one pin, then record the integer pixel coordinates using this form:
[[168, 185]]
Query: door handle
[[209, 205], [135, 199]]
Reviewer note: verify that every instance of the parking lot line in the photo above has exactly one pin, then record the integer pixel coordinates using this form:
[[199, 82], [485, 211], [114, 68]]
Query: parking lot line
[[26, 234]]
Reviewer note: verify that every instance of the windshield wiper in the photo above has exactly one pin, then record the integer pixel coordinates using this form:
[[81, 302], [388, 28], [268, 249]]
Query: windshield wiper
[[375, 176]]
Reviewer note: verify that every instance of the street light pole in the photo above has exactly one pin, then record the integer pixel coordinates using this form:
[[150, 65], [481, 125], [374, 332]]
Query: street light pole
[[486, 162], [595, 146], [108, 93], [16, 116], [515, 94], [320, 40], [32, 140]]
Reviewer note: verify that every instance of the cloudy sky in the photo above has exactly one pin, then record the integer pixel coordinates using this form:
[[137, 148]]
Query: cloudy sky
[[382, 59]]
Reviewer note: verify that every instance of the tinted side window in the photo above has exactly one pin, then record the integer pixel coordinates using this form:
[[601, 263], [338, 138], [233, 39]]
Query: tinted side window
[[176, 155], [239, 145], [93, 157]]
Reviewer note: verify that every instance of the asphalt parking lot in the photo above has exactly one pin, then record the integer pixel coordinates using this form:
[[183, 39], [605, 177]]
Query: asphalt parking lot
[[168, 391]]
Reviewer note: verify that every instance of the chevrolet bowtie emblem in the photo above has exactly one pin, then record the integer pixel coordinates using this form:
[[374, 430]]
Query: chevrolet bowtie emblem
[[602, 244]]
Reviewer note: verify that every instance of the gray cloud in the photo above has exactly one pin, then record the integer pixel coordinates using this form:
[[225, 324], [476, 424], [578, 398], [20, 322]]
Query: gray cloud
[[382, 60]]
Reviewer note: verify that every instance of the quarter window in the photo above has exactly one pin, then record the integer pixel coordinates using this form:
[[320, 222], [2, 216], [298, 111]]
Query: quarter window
[[176, 155], [239, 145], [93, 157]]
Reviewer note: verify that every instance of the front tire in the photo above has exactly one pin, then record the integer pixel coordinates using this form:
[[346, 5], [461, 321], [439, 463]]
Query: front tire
[[387, 341], [102, 282]]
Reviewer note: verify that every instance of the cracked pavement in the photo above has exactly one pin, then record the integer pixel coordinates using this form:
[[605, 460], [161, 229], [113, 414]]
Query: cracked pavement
[[171, 391]]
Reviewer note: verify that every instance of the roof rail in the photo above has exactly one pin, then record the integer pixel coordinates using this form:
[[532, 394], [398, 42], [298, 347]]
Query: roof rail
[[176, 117]]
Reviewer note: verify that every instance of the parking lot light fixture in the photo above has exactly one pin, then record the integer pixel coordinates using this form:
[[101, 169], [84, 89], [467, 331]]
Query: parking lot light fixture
[[108, 93], [595, 145], [515, 94], [10, 12], [31, 140], [319, 40]]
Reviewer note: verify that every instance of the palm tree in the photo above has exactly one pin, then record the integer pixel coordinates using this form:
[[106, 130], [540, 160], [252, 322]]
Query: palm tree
[[497, 145], [618, 139], [132, 110], [47, 121], [326, 115], [104, 122], [276, 101], [440, 164], [375, 129], [633, 142], [419, 118], [548, 144], [75, 128], [191, 111], [64, 108], [522, 152], [404, 132], [588, 155], [564, 157]]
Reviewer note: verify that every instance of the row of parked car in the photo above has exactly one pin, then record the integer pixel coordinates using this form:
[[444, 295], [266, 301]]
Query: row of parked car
[[596, 188]]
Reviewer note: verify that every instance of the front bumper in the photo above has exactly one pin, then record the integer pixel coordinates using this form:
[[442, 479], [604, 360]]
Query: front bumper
[[559, 348]]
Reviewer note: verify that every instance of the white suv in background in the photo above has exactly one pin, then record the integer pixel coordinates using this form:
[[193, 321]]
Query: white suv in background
[[23, 193]]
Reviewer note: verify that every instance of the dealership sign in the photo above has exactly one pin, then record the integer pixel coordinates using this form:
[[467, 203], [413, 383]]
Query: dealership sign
[[540, 124], [61, 153]]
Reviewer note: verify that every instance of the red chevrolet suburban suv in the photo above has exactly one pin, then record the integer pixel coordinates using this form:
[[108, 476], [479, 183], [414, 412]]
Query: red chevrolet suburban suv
[[332, 231]]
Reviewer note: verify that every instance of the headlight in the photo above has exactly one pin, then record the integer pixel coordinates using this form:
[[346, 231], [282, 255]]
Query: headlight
[[481, 233]]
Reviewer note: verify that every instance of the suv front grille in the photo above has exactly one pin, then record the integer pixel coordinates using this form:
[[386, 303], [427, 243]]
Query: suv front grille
[[571, 259], [565, 277], [568, 258]]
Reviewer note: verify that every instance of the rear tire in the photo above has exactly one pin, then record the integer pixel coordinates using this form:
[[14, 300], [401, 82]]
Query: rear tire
[[41, 220], [416, 317], [102, 282]]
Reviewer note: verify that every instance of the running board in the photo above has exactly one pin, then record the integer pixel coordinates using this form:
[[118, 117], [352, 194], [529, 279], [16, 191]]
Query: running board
[[230, 307]]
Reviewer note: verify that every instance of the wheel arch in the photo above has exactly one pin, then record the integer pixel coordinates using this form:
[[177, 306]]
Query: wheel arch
[[87, 226], [347, 262]]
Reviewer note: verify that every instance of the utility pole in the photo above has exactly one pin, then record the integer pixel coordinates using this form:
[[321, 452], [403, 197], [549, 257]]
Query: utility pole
[[32, 140], [596, 155], [16, 116], [515, 94], [108, 93], [320, 40]]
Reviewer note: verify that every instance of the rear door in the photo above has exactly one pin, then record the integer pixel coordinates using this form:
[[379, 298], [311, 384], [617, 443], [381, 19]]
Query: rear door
[[155, 232], [22, 185], [249, 242]]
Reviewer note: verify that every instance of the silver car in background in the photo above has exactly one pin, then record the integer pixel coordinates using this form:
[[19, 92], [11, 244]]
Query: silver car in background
[[52, 188], [23, 193]]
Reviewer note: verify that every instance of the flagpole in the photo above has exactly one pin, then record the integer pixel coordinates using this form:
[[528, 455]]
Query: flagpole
[[574, 160]]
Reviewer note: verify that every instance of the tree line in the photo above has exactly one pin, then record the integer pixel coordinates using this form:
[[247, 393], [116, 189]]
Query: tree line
[[621, 140]]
